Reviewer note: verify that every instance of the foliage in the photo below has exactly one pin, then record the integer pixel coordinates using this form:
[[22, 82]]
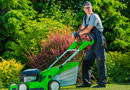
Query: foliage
[[20, 31], [117, 67], [1, 84], [56, 12], [7, 5], [12, 22], [126, 11], [29, 37], [51, 48], [9, 71], [122, 40]]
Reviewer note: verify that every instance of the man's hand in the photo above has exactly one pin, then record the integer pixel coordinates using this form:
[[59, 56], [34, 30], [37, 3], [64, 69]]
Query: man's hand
[[76, 36]]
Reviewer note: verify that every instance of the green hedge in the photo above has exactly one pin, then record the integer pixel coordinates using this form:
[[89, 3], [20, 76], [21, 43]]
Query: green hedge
[[118, 67], [1, 84]]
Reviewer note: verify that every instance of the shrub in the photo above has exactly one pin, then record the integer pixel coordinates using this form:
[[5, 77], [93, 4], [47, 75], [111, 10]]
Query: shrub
[[1, 84], [13, 14], [52, 47], [30, 37], [117, 67], [9, 71]]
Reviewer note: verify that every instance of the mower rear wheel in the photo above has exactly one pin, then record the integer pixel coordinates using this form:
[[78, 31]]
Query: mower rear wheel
[[54, 85]]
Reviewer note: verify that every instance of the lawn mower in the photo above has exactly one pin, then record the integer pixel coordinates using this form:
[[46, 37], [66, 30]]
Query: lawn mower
[[53, 77]]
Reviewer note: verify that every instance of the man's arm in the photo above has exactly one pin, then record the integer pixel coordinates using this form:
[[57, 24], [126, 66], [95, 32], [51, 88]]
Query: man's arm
[[91, 25], [82, 27], [85, 29]]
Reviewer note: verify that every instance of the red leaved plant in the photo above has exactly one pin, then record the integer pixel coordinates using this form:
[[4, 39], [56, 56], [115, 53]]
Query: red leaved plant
[[52, 47]]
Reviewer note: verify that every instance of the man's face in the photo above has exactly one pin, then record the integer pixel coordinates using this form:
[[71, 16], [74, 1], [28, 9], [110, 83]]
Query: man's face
[[87, 9]]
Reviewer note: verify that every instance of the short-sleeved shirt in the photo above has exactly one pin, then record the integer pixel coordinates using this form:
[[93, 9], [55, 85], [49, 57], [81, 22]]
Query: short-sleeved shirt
[[93, 20]]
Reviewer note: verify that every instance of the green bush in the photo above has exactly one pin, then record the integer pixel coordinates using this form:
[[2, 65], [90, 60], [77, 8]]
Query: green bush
[[14, 13], [1, 84], [118, 67], [9, 71], [56, 12], [30, 36]]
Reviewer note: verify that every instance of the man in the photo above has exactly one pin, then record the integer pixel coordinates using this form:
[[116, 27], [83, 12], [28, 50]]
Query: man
[[92, 25]]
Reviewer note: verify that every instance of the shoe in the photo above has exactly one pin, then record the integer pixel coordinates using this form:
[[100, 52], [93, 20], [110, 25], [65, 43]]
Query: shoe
[[84, 85], [100, 86]]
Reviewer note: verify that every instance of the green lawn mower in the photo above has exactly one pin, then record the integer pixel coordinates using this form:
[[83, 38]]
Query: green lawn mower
[[53, 77]]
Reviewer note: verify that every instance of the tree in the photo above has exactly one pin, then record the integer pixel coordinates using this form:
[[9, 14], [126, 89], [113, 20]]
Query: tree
[[12, 20]]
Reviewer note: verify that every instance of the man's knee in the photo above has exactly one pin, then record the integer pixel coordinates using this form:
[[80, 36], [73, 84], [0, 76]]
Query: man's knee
[[100, 54]]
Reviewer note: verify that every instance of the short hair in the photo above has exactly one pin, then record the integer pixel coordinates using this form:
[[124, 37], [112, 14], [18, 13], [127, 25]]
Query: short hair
[[87, 3]]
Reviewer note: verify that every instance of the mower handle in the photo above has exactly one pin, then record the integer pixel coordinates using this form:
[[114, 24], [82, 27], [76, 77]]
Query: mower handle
[[71, 48]]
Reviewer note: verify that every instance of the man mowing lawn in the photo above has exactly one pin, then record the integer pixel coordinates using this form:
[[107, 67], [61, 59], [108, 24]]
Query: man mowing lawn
[[92, 25]]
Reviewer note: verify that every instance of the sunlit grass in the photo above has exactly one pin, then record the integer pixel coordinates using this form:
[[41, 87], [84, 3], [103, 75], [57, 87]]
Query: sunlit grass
[[3, 88], [120, 86], [108, 87]]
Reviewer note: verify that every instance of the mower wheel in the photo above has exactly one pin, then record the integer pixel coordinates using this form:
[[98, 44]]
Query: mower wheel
[[54, 85]]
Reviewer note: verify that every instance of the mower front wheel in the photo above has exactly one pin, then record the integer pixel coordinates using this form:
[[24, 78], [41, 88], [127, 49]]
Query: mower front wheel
[[54, 85]]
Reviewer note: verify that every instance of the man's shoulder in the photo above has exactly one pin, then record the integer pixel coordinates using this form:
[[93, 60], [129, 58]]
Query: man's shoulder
[[95, 15]]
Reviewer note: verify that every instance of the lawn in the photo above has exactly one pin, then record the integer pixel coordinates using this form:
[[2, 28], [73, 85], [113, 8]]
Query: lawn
[[108, 87], [120, 86]]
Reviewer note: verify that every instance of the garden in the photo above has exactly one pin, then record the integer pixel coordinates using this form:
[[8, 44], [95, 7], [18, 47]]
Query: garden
[[34, 32]]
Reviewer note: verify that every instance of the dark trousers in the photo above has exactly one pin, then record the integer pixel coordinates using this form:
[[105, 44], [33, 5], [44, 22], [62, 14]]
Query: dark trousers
[[97, 52]]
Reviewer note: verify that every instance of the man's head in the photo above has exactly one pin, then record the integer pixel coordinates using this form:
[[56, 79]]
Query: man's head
[[87, 7]]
